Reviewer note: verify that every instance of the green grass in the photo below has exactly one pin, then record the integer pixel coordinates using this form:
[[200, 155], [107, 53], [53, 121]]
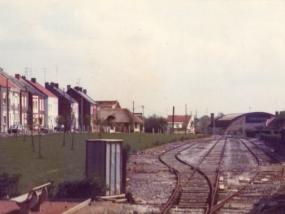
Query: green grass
[[61, 163]]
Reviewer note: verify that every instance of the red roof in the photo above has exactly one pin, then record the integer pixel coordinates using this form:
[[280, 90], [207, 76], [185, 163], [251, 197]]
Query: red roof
[[178, 118], [41, 88], [3, 82]]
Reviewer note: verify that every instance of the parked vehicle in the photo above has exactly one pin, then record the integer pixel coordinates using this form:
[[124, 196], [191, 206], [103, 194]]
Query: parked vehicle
[[59, 128], [44, 130], [16, 129]]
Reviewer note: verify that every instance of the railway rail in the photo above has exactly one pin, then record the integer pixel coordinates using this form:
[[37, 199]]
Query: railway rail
[[195, 189], [200, 186]]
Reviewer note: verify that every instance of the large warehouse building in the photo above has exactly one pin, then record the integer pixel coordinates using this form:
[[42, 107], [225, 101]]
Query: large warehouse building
[[246, 124]]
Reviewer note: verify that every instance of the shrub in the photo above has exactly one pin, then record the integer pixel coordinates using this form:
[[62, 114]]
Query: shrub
[[80, 189], [9, 185]]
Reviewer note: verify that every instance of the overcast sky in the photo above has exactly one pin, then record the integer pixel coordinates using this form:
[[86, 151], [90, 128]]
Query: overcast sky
[[214, 56]]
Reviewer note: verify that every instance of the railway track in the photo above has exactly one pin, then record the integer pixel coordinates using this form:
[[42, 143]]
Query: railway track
[[202, 185], [261, 183], [195, 189]]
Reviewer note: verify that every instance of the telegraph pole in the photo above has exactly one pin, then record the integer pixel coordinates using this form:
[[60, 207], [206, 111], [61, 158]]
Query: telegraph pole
[[173, 113], [186, 119], [143, 110], [133, 122]]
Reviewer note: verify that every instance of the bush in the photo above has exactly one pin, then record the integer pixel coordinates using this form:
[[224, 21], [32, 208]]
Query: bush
[[9, 185], [80, 189]]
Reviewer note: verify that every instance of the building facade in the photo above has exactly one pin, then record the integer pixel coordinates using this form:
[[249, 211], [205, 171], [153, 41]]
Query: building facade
[[244, 124], [35, 105], [68, 108], [86, 108], [180, 124], [50, 105]]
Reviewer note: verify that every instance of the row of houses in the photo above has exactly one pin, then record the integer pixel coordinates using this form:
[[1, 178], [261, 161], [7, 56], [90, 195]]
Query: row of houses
[[28, 104]]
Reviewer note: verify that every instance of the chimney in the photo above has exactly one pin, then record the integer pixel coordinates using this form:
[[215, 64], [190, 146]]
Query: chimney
[[68, 87], [77, 88], [17, 76], [276, 113], [56, 85], [23, 77], [34, 80], [47, 85], [84, 91]]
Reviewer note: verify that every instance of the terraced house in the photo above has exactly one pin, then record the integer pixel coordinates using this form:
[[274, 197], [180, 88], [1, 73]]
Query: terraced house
[[86, 107], [34, 112], [67, 107], [50, 105], [10, 103]]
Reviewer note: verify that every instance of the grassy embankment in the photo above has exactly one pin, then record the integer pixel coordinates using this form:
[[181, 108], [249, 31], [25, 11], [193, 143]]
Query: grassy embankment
[[61, 163]]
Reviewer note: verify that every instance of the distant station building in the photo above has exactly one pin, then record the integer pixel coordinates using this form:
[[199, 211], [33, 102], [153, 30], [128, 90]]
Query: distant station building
[[244, 124]]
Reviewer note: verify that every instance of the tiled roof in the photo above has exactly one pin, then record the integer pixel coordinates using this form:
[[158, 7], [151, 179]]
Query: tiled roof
[[178, 118], [63, 94], [41, 88], [85, 96], [3, 80], [31, 88]]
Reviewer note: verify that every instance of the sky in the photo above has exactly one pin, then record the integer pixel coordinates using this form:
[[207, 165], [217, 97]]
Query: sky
[[213, 56]]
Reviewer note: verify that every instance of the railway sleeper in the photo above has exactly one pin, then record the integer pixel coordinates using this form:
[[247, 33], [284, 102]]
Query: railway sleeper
[[194, 205]]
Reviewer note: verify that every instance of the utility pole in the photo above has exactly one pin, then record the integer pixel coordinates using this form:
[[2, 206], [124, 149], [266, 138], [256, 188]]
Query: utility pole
[[8, 110], [133, 122], [81, 112], [143, 117], [186, 119], [143, 110], [173, 113]]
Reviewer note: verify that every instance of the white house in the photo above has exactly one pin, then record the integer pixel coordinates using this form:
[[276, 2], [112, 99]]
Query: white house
[[50, 105], [180, 123]]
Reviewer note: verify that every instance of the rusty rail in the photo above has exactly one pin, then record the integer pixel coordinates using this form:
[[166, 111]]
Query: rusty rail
[[176, 192], [227, 199]]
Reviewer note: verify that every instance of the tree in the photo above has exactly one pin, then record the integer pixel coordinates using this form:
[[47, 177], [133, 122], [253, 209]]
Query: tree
[[60, 120], [87, 122], [203, 124], [72, 127], [31, 125], [155, 124], [40, 121]]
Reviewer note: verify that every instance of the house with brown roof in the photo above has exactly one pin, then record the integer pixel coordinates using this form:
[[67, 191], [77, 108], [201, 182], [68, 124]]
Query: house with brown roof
[[32, 105], [113, 104], [119, 120], [180, 123], [50, 104]]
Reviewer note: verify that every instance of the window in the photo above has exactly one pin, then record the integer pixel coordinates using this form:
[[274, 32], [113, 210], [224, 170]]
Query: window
[[4, 98]]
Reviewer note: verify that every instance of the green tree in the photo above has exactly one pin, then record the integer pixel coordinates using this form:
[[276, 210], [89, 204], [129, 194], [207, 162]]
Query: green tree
[[40, 122], [72, 127], [155, 124], [60, 120]]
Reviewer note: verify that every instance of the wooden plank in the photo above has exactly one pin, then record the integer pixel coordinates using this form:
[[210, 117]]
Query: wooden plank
[[78, 207]]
